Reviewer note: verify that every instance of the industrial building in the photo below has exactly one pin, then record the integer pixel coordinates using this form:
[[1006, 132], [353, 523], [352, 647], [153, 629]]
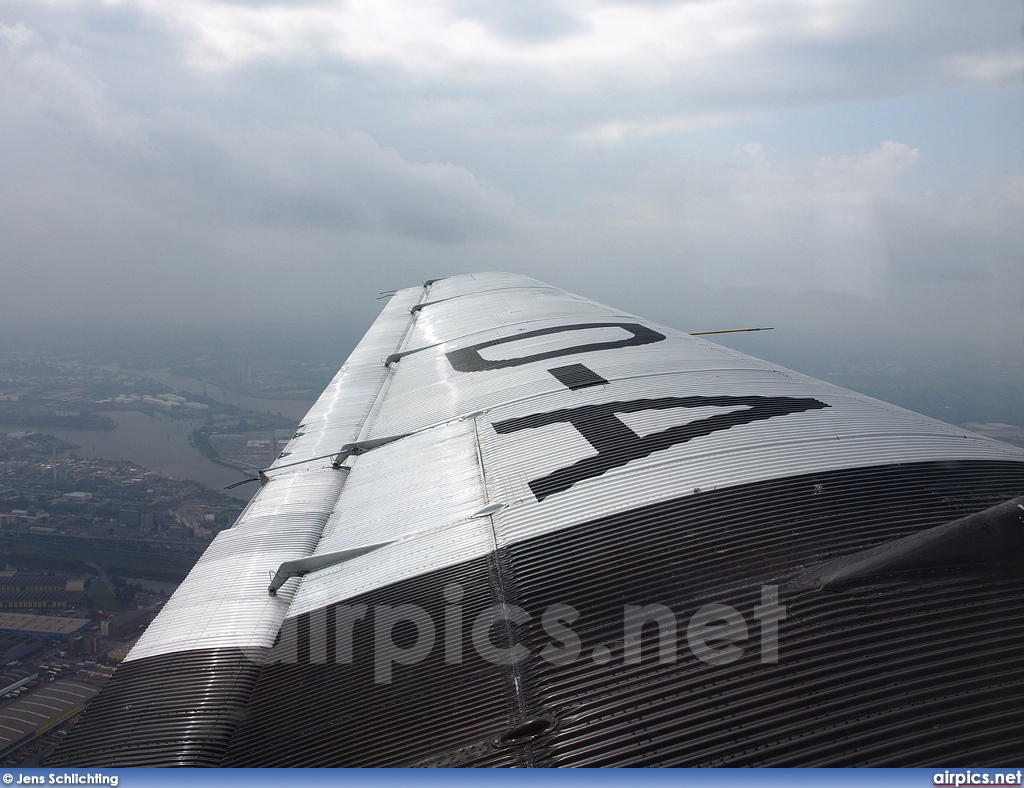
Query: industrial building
[[37, 712], [25, 591], [49, 629], [131, 622]]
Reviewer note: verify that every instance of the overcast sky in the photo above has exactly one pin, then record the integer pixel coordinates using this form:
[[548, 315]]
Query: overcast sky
[[831, 167]]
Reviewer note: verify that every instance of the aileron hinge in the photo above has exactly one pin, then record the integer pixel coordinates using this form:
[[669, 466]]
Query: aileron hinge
[[300, 567], [361, 447], [399, 356]]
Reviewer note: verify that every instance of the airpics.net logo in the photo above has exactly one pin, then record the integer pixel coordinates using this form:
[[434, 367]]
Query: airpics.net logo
[[407, 634], [967, 777]]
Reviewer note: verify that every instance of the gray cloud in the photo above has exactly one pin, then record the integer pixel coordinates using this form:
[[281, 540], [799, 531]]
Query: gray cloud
[[526, 20], [314, 177], [249, 158]]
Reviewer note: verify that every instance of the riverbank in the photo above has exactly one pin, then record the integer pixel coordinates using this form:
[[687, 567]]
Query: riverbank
[[156, 442]]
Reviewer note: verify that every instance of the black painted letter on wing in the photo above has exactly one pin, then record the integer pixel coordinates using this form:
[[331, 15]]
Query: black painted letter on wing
[[468, 359], [617, 444]]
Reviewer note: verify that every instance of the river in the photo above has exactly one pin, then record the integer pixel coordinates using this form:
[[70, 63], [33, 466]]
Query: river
[[158, 443], [290, 408]]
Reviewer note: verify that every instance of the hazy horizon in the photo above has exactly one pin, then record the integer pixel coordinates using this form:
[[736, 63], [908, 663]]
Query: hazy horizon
[[850, 173]]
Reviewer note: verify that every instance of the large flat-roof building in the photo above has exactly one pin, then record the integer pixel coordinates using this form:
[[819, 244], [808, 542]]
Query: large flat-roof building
[[51, 629], [33, 591], [28, 717]]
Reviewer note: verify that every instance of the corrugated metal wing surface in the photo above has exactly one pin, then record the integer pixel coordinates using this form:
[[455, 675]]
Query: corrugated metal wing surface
[[526, 452], [218, 627]]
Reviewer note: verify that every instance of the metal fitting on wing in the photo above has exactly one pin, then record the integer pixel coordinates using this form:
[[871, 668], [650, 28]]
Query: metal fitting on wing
[[299, 567]]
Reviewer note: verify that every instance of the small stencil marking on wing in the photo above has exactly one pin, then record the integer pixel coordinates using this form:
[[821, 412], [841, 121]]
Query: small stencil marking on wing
[[577, 376]]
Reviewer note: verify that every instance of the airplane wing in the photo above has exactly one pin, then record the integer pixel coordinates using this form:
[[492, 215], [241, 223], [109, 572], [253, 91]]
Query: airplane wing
[[524, 528]]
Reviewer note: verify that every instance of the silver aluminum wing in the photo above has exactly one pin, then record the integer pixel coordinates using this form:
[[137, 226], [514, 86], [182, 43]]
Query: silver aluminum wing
[[524, 528]]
